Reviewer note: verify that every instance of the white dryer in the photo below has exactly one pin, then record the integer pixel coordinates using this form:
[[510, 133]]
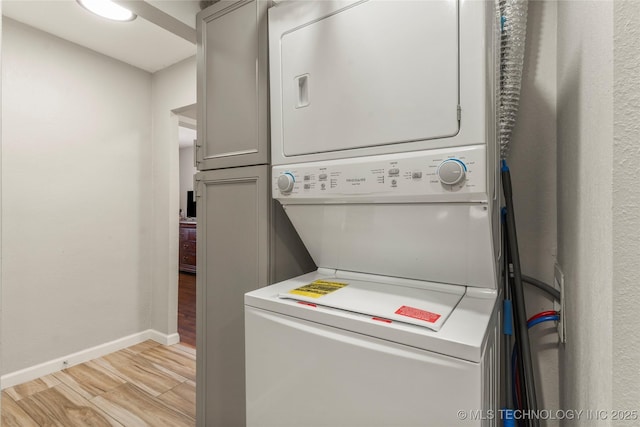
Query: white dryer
[[383, 137], [359, 78]]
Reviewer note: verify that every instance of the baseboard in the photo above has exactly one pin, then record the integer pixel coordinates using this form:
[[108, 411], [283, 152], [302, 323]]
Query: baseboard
[[163, 338], [55, 365]]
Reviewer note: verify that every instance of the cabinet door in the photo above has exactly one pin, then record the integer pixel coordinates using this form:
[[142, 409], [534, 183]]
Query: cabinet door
[[232, 85], [232, 259]]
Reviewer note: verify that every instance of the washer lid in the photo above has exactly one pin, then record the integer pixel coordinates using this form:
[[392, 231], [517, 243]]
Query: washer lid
[[428, 308], [432, 242]]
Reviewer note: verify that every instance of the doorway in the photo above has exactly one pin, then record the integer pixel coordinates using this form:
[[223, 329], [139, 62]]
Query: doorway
[[188, 223]]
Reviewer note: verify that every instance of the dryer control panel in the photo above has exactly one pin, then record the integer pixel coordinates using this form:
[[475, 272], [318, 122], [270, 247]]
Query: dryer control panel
[[457, 174]]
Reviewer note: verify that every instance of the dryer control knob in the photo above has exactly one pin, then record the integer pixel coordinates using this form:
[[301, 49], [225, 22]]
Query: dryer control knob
[[451, 171], [285, 182]]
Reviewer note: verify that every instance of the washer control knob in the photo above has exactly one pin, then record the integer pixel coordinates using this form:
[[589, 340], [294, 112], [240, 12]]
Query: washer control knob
[[451, 171], [285, 182]]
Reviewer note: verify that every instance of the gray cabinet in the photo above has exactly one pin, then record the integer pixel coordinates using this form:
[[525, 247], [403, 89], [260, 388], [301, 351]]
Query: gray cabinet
[[232, 85], [245, 241], [232, 259]]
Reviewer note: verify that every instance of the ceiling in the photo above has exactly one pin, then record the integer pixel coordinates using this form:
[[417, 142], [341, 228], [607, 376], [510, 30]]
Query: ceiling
[[150, 42]]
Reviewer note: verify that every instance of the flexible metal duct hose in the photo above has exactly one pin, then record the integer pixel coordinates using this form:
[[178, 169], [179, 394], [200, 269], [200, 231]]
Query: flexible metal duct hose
[[512, 43]]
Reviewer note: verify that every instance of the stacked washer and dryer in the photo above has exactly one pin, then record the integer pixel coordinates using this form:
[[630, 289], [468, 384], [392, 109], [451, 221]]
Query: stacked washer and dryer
[[386, 162]]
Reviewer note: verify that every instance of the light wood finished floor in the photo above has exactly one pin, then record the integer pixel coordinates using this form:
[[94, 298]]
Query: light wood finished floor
[[147, 384]]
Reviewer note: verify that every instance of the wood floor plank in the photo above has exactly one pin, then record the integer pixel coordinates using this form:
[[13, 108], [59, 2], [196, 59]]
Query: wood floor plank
[[89, 379], [181, 350], [59, 406], [13, 415], [174, 360], [147, 385], [143, 346], [133, 407], [182, 398], [23, 390], [185, 349], [141, 372]]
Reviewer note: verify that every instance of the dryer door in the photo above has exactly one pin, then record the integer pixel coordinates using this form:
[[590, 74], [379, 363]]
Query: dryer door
[[374, 73]]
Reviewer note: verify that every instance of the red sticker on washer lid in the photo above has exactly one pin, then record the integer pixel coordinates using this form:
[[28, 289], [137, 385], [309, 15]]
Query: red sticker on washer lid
[[416, 313]]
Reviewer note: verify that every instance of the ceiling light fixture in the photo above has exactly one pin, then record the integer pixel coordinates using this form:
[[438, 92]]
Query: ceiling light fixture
[[108, 9]]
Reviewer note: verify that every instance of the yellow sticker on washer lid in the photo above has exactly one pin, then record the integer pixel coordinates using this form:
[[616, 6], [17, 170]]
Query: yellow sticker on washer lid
[[318, 288]]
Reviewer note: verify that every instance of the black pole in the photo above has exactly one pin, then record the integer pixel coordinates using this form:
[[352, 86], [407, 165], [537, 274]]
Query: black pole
[[508, 339], [518, 295], [520, 388], [519, 368]]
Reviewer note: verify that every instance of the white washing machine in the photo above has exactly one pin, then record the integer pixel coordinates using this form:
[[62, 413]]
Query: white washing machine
[[353, 363], [383, 137], [399, 325]]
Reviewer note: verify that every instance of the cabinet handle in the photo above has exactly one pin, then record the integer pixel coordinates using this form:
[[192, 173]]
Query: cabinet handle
[[195, 153]]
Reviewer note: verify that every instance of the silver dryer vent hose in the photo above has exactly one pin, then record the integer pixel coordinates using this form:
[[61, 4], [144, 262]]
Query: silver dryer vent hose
[[512, 44]]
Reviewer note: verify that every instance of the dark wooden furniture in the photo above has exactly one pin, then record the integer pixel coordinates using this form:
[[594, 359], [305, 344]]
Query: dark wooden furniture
[[187, 252]]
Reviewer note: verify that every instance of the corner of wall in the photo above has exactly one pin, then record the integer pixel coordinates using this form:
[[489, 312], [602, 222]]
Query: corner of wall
[[55, 365], [585, 137], [172, 88]]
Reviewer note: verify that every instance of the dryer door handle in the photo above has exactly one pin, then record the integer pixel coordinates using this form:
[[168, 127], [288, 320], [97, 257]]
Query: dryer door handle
[[302, 87]]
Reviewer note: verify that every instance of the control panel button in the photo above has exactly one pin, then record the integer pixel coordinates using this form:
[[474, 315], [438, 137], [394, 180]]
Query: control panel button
[[416, 175], [285, 182], [451, 171], [394, 172], [307, 177], [322, 177], [307, 186]]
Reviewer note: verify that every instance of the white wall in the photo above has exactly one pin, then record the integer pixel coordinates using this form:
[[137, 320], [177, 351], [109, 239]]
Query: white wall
[[172, 88], [584, 170], [76, 197], [595, 119], [626, 205], [187, 170], [533, 168]]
